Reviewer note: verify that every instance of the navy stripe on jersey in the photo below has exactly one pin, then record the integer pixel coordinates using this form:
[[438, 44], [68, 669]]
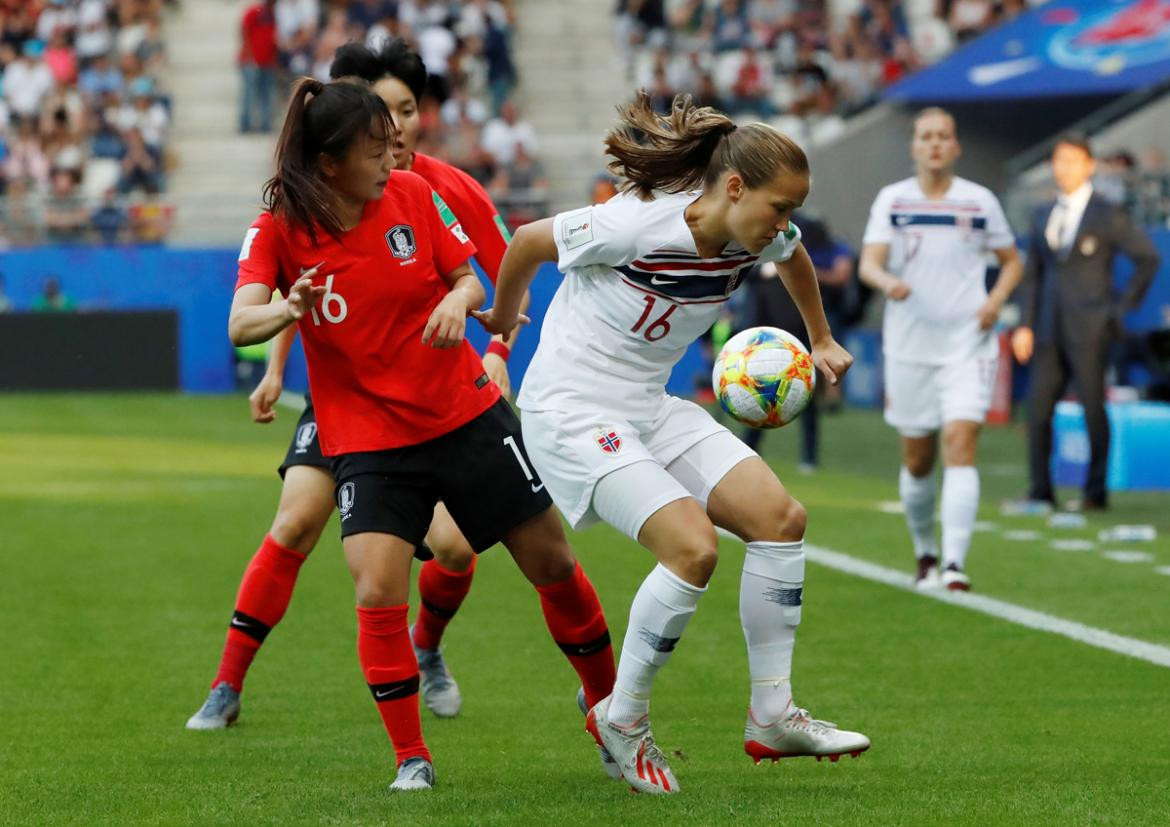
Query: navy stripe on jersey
[[682, 288], [902, 219]]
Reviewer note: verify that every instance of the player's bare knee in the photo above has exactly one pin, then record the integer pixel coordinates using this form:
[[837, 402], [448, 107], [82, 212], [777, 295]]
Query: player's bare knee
[[453, 556], [920, 465], [373, 593], [793, 519], [296, 529], [698, 556]]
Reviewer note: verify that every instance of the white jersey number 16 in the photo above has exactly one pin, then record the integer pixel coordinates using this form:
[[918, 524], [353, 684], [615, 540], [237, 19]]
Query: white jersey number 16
[[657, 329]]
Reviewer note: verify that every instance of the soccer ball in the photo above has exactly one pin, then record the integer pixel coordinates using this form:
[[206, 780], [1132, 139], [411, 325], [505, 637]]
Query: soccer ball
[[764, 377]]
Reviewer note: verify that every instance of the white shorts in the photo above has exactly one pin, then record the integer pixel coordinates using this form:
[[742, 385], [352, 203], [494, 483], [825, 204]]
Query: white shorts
[[920, 398], [572, 451]]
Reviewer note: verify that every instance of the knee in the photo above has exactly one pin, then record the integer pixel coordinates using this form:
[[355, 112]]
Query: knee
[[296, 529], [453, 558], [792, 520], [698, 555], [373, 593], [920, 465]]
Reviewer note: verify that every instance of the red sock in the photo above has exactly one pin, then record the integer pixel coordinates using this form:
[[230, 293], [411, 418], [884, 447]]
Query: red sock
[[575, 618], [441, 593], [265, 590], [391, 671]]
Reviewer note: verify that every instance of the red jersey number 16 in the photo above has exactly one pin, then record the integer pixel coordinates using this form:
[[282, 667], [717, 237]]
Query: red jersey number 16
[[333, 305]]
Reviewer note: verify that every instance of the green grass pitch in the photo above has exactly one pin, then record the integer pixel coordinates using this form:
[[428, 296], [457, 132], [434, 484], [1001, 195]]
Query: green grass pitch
[[127, 520]]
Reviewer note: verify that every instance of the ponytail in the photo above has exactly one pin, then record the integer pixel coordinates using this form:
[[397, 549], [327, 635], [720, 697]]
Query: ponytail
[[692, 147], [322, 118]]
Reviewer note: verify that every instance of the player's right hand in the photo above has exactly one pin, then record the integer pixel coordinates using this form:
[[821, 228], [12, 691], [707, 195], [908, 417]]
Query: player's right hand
[[262, 400], [304, 294], [1023, 343], [897, 290], [494, 325]]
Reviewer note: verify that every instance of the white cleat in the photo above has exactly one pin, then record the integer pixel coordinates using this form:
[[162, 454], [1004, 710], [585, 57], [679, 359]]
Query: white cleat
[[607, 763], [633, 749], [439, 691], [798, 734], [955, 579], [415, 774], [219, 711]]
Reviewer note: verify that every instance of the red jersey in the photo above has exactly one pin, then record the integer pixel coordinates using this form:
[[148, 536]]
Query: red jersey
[[258, 38], [472, 206], [375, 385]]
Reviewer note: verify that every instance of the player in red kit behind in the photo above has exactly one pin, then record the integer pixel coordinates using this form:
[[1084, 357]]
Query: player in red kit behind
[[397, 76], [379, 285]]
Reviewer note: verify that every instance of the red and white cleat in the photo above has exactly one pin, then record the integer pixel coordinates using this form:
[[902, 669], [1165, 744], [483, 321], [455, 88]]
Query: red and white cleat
[[798, 734], [954, 578], [633, 749]]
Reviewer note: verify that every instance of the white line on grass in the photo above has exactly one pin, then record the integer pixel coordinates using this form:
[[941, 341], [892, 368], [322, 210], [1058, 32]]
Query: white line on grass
[[1134, 648], [1100, 638]]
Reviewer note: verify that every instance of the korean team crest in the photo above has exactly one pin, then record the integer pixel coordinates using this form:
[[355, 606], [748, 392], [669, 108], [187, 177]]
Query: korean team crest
[[608, 440], [305, 436], [400, 240], [345, 497]]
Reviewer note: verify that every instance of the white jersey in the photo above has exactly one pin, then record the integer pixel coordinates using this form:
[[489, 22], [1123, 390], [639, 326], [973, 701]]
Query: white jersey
[[939, 248], [636, 293]]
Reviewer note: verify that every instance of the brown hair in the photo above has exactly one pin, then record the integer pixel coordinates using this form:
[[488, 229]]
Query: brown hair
[[935, 110], [693, 146], [1076, 140], [322, 119]]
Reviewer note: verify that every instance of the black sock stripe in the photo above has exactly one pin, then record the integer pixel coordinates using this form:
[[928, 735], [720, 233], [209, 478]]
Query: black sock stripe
[[250, 626], [439, 611], [584, 649], [394, 690]]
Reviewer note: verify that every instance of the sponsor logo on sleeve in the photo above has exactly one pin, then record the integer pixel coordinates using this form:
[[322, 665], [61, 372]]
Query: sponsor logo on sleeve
[[577, 228]]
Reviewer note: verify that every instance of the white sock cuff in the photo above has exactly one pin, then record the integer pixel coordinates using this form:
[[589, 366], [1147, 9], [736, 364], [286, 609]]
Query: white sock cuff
[[672, 591], [916, 485], [767, 548], [960, 472]]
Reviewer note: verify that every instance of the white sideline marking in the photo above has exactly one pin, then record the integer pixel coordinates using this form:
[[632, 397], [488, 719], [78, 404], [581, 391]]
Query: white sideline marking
[[1101, 639], [1134, 648], [1127, 556]]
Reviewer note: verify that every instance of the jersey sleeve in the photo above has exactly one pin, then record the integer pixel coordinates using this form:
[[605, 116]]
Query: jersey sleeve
[[259, 262], [878, 229], [479, 220], [602, 234], [450, 243], [783, 246], [999, 232]]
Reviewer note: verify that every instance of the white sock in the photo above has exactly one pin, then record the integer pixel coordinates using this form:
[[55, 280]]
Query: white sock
[[770, 596], [960, 502], [660, 611], [918, 497]]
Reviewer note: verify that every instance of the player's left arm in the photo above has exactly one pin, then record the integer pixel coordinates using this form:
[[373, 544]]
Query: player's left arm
[[1011, 273], [800, 278]]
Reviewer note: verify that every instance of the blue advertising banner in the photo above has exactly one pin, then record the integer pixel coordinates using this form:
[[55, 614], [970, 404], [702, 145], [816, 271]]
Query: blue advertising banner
[[1065, 47]]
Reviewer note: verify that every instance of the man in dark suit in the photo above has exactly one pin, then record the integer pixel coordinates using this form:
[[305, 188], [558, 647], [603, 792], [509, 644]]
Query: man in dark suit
[[1072, 313]]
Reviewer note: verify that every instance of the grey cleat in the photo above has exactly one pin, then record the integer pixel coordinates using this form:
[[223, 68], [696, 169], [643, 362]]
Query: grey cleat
[[219, 711], [607, 763], [439, 691], [414, 774]]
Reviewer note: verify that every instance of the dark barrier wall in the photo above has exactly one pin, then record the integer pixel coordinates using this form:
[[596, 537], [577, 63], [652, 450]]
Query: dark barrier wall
[[198, 284], [95, 350]]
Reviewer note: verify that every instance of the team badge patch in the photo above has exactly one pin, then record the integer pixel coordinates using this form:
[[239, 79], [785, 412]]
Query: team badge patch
[[345, 497], [400, 240], [305, 436], [609, 441]]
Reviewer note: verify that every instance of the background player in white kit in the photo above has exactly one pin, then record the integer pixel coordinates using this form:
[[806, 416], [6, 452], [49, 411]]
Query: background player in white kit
[[646, 274], [925, 247]]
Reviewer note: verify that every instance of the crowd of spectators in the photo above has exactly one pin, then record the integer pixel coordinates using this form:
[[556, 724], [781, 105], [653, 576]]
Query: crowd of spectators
[[468, 115], [807, 63], [83, 121]]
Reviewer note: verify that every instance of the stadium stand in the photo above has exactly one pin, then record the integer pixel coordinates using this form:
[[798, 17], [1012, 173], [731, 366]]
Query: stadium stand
[[84, 122]]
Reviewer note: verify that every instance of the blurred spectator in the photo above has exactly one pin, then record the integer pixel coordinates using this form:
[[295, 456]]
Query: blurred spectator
[[100, 77], [968, 18], [604, 188], [462, 106], [19, 217], [296, 26], [66, 216], [259, 63], [502, 135], [93, 37], [521, 188], [151, 220], [752, 83], [53, 299], [27, 79], [1115, 177], [140, 168], [58, 17], [110, 221], [728, 24], [61, 59], [26, 160], [146, 115], [5, 302]]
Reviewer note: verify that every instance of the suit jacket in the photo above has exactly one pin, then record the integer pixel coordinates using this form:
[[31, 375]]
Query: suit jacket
[[1069, 298]]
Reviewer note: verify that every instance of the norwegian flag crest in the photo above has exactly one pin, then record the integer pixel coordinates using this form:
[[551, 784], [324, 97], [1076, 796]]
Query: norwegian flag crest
[[609, 441]]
